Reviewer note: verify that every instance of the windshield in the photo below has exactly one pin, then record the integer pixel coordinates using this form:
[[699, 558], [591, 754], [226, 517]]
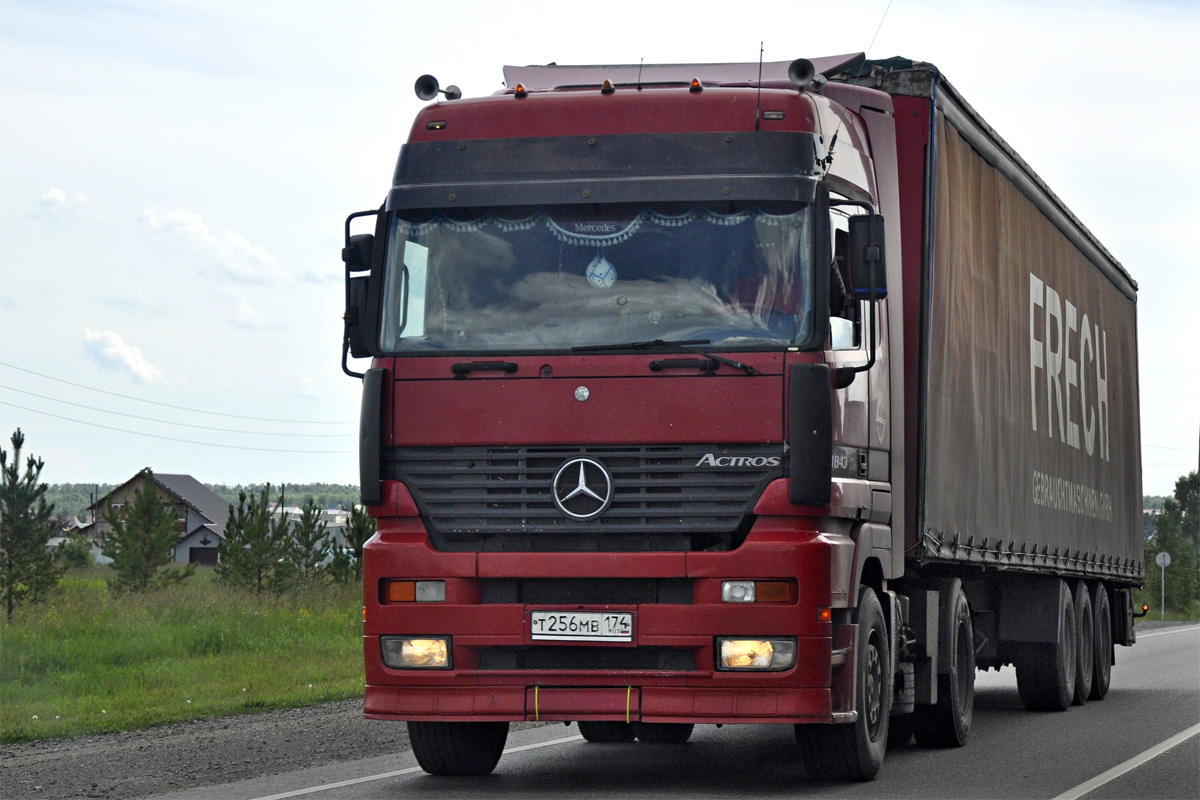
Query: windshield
[[563, 277]]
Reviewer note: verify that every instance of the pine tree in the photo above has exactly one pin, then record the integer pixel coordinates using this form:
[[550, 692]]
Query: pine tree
[[309, 545], [358, 531], [143, 536], [29, 571], [255, 551]]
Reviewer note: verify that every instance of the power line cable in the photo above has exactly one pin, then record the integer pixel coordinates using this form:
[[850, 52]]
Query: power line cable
[[169, 438], [182, 424], [178, 408], [879, 27]]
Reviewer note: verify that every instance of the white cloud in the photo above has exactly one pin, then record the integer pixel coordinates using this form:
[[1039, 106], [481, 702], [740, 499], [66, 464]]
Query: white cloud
[[309, 388], [55, 206], [110, 351], [235, 255], [320, 279], [244, 315], [136, 302]]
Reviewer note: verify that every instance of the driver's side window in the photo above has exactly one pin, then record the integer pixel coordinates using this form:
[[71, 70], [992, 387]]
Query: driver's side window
[[844, 328]]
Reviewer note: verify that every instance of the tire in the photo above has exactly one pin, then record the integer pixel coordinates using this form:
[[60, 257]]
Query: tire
[[664, 732], [1085, 656], [606, 732], [1046, 672], [1102, 650], [458, 748], [947, 723], [854, 752]]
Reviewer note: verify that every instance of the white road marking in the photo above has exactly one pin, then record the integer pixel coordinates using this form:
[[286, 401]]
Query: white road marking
[[1120, 769], [1189, 629], [381, 776]]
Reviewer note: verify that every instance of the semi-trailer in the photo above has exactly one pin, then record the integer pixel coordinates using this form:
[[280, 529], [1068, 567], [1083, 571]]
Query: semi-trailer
[[778, 393]]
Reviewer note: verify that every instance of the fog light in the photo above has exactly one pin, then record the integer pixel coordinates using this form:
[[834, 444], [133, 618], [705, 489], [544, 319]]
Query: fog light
[[770, 655], [402, 652]]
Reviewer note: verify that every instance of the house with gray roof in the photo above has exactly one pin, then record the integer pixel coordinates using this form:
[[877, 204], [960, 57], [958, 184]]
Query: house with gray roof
[[199, 512]]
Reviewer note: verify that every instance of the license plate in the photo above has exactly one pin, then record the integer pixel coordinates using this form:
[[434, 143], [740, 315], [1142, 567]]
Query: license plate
[[582, 626]]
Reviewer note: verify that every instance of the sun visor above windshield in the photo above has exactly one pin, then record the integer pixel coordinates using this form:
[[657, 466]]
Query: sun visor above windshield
[[572, 169]]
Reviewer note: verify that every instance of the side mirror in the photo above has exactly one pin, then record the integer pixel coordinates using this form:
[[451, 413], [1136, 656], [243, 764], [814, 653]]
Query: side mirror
[[357, 252], [868, 269], [357, 255]]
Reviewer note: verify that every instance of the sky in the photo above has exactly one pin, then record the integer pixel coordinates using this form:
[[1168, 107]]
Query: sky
[[175, 176]]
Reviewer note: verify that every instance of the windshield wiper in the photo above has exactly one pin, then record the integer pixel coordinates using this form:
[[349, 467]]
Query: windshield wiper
[[680, 344], [583, 348]]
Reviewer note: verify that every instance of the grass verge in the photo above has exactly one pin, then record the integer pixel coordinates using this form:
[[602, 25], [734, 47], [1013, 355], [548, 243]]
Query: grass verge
[[91, 661]]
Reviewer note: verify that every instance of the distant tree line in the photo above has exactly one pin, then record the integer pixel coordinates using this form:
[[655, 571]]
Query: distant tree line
[[74, 499], [326, 495]]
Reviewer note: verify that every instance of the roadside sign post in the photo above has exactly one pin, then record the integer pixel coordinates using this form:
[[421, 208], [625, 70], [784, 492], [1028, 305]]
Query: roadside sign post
[[1163, 559]]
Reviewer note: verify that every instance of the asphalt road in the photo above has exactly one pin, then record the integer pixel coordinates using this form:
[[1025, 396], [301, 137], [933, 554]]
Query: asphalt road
[[1143, 740]]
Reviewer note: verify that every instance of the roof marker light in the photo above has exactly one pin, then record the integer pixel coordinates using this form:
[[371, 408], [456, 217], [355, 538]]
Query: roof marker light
[[520, 91], [696, 86], [607, 87]]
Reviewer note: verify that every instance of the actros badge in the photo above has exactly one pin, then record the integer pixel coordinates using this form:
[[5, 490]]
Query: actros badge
[[582, 489]]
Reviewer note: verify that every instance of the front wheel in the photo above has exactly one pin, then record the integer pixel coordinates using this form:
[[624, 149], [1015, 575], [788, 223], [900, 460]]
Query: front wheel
[[458, 748], [855, 751]]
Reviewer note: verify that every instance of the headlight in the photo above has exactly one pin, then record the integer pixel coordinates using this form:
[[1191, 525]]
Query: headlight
[[770, 655], [403, 652]]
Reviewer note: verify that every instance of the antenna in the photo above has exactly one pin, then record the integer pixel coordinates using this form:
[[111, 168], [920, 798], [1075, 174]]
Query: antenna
[[758, 102], [878, 28], [641, 62]]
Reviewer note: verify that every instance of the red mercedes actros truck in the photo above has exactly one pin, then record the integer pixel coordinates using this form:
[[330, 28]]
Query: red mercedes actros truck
[[735, 393]]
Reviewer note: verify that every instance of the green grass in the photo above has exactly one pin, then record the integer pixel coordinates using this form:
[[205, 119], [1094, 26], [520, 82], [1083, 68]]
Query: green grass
[[91, 661], [1176, 612]]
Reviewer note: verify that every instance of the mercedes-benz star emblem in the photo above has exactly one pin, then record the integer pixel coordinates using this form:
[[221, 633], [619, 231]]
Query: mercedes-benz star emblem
[[582, 488]]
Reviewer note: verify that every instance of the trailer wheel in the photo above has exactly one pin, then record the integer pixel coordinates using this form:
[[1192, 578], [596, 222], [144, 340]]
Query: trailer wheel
[[1046, 671], [458, 748], [606, 732], [664, 732], [947, 723], [1086, 638], [1102, 648], [855, 751]]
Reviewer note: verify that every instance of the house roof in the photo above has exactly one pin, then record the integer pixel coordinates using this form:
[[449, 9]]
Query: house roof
[[211, 505], [195, 494]]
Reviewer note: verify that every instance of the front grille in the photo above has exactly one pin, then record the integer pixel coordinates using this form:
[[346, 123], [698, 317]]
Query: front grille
[[500, 498], [659, 659]]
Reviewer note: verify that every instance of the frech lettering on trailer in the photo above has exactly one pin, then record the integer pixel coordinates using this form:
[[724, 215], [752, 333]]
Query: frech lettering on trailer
[[1071, 353]]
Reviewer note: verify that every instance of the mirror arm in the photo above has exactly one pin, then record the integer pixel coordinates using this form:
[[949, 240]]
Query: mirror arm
[[345, 355]]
